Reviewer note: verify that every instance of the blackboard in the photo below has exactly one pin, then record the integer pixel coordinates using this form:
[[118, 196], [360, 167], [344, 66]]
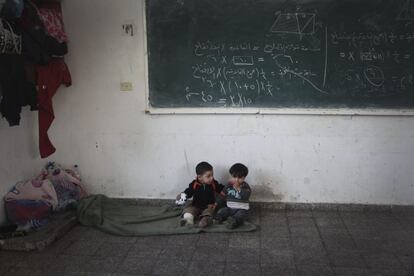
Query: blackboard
[[280, 54]]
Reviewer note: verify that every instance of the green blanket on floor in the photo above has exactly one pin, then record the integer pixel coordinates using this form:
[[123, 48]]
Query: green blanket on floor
[[127, 218]]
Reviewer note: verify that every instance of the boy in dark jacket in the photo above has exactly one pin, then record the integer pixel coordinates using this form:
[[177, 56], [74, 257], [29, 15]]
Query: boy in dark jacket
[[203, 190], [236, 194]]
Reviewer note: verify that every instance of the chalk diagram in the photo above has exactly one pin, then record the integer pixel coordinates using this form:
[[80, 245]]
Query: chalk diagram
[[294, 23], [374, 75], [304, 25]]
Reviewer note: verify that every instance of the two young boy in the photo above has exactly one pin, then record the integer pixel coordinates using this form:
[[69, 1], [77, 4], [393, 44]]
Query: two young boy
[[208, 194]]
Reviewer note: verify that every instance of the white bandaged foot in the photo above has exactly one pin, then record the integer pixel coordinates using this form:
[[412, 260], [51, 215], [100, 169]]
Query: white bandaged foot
[[188, 218]]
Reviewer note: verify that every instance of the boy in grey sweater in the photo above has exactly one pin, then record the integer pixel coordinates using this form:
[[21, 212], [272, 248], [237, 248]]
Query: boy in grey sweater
[[236, 194]]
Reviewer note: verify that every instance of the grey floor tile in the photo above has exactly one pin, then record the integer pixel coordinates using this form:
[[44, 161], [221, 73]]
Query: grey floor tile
[[398, 247], [22, 271], [96, 264], [371, 245], [139, 251], [282, 258], [82, 248], [329, 222], [182, 240], [276, 243], [325, 214], [303, 231], [242, 269], [65, 264], [114, 249], [303, 222], [34, 260], [307, 243], [277, 270], [205, 268], [244, 241], [407, 261], [387, 272], [242, 255], [288, 242], [203, 253], [310, 257], [152, 241], [396, 235], [215, 240], [333, 243], [171, 268], [317, 270], [350, 271], [381, 260], [58, 247], [86, 233], [119, 239], [365, 233], [327, 233], [350, 259], [9, 259], [273, 219], [299, 213], [177, 253], [275, 232], [136, 266]]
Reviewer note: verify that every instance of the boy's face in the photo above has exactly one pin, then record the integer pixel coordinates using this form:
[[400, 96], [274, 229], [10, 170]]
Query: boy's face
[[236, 180], [206, 178]]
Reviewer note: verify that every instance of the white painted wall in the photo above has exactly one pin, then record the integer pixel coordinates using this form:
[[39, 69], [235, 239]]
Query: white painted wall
[[124, 152]]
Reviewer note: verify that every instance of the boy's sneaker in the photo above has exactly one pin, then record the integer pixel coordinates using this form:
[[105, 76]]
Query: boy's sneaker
[[217, 220], [183, 222], [231, 223], [205, 221]]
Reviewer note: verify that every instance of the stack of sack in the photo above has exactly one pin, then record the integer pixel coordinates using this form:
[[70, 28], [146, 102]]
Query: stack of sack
[[30, 204]]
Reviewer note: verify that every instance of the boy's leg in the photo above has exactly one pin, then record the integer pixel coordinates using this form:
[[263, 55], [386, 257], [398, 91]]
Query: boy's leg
[[223, 214], [206, 217], [189, 214], [238, 218]]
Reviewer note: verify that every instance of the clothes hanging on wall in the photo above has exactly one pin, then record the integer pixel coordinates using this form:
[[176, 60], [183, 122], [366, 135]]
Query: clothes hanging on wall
[[38, 45], [11, 8], [37, 61], [49, 78], [51, 16], [17, 91]]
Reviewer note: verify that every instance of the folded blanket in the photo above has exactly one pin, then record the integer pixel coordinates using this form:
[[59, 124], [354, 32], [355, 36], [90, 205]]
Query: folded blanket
[[127, 218]]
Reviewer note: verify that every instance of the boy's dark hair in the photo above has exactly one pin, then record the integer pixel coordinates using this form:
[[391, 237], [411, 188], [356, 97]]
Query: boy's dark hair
[[203, 167], [239, 170]]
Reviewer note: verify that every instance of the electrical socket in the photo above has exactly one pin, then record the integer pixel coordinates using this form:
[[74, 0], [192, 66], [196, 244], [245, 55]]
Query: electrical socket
[[126, 86]]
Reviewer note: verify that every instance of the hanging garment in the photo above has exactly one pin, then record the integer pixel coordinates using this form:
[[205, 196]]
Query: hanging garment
[[51, 15], [49, 78], [10, 40], [11, 8], [38, 45], [17, 91]]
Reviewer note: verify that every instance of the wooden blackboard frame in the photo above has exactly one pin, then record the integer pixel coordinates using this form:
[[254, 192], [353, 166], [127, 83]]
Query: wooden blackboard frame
[[255, 111]]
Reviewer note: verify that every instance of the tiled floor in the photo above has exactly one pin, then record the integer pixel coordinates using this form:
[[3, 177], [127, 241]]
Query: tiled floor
[[288, 243]]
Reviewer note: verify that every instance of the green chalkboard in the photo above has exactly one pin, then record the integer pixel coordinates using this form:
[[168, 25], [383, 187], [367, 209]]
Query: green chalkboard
[[273, 54]]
